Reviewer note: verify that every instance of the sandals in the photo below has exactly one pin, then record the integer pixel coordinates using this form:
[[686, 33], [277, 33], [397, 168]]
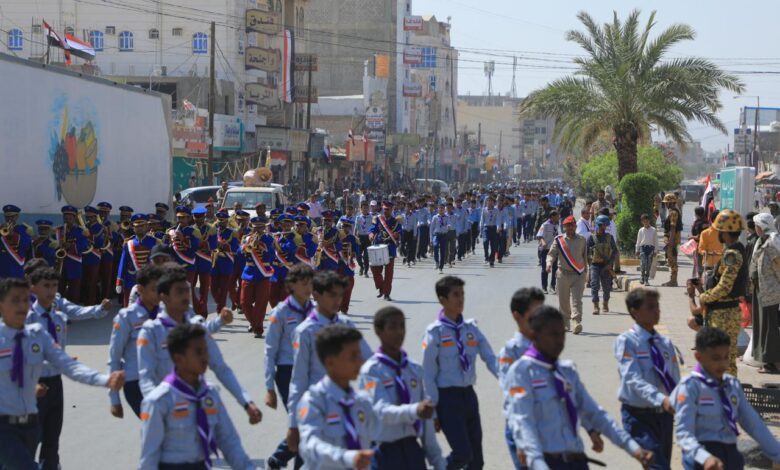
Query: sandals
[[769, 368]]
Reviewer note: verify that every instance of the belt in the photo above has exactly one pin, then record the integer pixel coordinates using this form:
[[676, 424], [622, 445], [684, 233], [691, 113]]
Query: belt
[[655, 410], [567, 457], [723, 305], [19, 420]]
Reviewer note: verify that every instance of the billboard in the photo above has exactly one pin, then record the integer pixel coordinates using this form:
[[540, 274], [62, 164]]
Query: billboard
[[381, 66], [264, 96], [413, 55], [412, 89], [258, 58], [266, 22], [413, 23], [228, 133], [70, 145]]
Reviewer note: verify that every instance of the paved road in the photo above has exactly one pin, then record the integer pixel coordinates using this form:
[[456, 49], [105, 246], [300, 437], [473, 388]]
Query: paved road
[[92, 438]]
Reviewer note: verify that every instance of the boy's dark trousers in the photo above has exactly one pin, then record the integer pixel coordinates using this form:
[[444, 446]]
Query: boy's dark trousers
[[463, 242], [458, 411], [451, 245], [474, 236], [423, 239], [283, 454], [133, 396], [50, 411], [404, 454], [18, 443], [363, 258], [410, 248], [652, 429], [727, 453], [492, 237]]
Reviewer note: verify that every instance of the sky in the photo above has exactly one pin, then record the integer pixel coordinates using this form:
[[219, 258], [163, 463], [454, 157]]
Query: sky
[[737, 37]]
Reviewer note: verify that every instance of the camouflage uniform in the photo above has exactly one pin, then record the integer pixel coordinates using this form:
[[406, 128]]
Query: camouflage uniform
[[724, 289], [672, 228]]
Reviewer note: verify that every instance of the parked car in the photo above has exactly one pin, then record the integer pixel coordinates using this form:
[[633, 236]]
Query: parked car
[[431, 186]]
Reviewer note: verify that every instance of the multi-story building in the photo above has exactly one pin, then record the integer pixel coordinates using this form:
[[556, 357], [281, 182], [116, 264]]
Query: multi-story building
[[166, 45]]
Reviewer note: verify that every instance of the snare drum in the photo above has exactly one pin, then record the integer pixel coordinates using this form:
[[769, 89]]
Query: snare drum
[[378, 255]]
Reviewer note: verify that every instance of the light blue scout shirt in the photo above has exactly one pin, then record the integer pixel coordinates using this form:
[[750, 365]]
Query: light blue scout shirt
[[701, 417], [307, 368], [398, 420], [440, 224], [72, 310], [37, 346], [323, 425], [640, 384], [122, 349], [60, 326], [490, 217], [410, 221], [474, 214], [154, 361], [284, 318], [441, 359], [521, 208], [531, 207], [540, 420], [511, 352], [169, 433], [363, 223], [423, 216]]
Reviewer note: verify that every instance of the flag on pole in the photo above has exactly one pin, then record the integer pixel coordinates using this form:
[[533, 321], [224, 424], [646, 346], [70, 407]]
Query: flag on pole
[[365, 143], [54, 39], [79, 48], [326, 153], [351, 137], [708, 196], [288, 63]]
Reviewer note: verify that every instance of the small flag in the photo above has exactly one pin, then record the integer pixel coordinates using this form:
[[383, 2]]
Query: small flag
[[54, 39], [351, 137], [365, 144], [80, 48], [326, 153]]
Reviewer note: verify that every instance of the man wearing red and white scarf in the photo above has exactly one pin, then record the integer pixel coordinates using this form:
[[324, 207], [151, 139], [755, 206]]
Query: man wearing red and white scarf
[[569, 252]]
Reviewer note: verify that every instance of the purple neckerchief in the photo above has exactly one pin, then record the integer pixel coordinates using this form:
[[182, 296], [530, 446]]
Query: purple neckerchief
[[464, 359], [659, 364], [698, 372], [404, 396], [353, 440], [313, 316], [50, 326], [560, 384], [17, 367], [208, 441], [167, 322], [307, 308], [153, 312]]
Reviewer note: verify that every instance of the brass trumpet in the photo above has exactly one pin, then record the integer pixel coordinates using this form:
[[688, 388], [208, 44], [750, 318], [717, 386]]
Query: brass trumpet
[[7, 228], [124, 225]]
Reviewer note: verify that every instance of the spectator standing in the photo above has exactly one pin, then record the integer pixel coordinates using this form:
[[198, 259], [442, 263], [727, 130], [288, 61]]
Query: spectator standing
[[765, 276]]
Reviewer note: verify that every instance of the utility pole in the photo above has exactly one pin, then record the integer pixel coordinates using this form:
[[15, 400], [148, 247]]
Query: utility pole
[[755, 136], [212, 103], [307, 162], [500, 144], [479, 146]]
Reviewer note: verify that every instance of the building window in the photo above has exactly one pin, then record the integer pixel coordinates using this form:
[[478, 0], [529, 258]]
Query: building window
[[69, 30], [15, 40], [270, 5], [300, 18], [428, 59], [111, 30], [200, 43], [240, 43], [125, 41], [154, 33], [177, 32], [432, 82], [279, 6], [96, 39]]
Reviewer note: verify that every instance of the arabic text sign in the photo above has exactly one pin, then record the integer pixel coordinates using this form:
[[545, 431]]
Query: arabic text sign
[[266, 22], [262, 95], [258, 58], [304, 62], [413, 23]]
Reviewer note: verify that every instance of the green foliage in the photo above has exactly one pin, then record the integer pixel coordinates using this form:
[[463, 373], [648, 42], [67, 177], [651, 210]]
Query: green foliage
[[638, 190], [602, 170], [627, 84]]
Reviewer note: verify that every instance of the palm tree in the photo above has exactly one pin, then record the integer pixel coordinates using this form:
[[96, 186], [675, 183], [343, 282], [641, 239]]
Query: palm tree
[[625, 88]]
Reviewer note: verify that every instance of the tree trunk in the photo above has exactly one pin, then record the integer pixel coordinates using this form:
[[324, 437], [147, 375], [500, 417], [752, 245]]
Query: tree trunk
[[626, 138]]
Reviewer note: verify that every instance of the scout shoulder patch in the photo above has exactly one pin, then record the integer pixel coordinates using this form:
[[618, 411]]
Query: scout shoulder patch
[[36, 348], [731, 258], [361, 415]]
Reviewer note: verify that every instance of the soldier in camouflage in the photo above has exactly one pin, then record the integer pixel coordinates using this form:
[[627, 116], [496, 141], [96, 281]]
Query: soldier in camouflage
[[672, 228], [728, 283]]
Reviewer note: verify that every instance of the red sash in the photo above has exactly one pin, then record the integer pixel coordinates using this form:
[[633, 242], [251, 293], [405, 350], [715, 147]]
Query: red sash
[[182, 255], [561, 241], [383, 221], [267, 271], [131, 246], [300, 255], [14, 254], [60, 235]]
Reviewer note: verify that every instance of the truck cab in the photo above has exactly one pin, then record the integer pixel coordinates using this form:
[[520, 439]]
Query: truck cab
[[272, 196]]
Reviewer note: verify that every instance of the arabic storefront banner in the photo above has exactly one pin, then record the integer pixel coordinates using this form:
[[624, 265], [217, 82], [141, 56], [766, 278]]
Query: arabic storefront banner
[[258, 58], [266, 22], [264, 96]]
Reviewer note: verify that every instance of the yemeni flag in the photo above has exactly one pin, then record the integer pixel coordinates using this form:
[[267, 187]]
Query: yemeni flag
[[708, 196], [54, 39], [80, 48]]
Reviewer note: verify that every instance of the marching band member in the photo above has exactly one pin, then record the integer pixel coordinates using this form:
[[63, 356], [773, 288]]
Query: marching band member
[[162, 209], [15, 241], [72, 240], [284, 250], [350, 249], [326, 257], [91, 260], [258, 249], [223, 259], [385, 230], [110, 252], [135, 255], [306, 246], [234, 286], [184, 240], [206, 246], [44, 246]]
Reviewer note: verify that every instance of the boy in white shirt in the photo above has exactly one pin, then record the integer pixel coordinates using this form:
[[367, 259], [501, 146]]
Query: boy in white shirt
[[646, 241]]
